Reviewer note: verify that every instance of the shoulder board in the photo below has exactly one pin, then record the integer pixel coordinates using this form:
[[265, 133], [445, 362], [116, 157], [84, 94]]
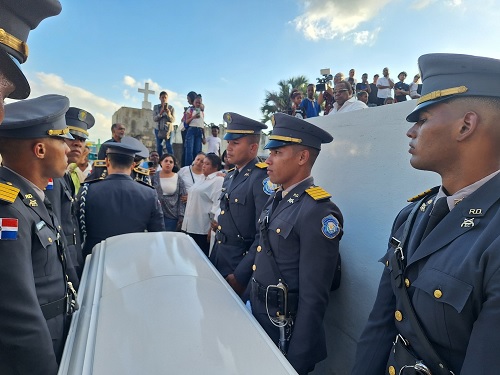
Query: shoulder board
[[8, 192], [230, 170], [141, 170], [145, 184], [99, 163], [261, 165], [423, 194], [318, 193]]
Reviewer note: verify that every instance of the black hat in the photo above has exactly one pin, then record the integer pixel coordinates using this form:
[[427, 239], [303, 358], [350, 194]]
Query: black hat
[[79, 122], [135, 143], [290, 130], [17, 19], [240, 126], [447, 75], [120, 148], [40, 117]]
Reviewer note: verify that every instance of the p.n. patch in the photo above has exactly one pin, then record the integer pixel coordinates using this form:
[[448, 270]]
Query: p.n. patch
[[268, 186], [330, 226]]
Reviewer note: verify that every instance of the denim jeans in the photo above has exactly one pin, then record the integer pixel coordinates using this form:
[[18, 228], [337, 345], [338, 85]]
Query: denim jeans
[[159, 147], [192, 144]]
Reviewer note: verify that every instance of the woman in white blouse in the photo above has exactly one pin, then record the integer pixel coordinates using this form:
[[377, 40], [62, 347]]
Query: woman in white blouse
[[203, 203], [170, 188]]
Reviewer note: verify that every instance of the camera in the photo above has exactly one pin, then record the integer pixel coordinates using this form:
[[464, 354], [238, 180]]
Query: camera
[[165, 106], [327, 77], [150, 164]]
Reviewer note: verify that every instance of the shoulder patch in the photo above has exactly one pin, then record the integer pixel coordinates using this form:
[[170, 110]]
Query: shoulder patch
[[423, 194], [8, 228], [141, 170], [268, 186], [318, 193], [330, 226], [99, 163], [8, 192], [261, 165]]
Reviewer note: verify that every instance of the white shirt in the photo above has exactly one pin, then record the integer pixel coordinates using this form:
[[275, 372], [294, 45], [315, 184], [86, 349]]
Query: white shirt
[[169, 184], [203, 201], [348, 106], [384, 93], [189, 177], [213, 144]]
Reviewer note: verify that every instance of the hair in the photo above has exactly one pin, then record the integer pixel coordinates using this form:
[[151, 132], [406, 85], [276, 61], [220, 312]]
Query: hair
[[214, 127], [252, 138], [163, 93], [347, 85], [191, 95], [376, 75], [491, 102], [214, 160], [313, 153], [311, 85], [404, 73], [388, 98], [295, 93], [114, 126], [153, 152], [361, 93], [200, 153], [175, 169], [120, 161]]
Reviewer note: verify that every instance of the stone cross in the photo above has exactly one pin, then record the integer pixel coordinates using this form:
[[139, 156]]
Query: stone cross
[[146, 91]]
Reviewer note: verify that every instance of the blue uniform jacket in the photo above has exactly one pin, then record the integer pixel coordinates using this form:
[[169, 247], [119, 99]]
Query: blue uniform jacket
[[118, 205], [454, 284], [242, 200], [304, 235], [31, 274]]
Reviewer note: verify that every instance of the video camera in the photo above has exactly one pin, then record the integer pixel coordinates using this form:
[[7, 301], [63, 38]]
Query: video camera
[[327, 77]]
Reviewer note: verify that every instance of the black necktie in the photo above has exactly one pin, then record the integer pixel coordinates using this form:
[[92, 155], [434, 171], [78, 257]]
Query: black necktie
[[278, 196], [439, 211]]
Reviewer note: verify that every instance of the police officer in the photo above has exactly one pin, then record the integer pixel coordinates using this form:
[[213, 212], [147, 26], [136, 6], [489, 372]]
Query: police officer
[[300, 230], [245, 191], [117, 204], [62, 191], [437, 307], [34, 293]]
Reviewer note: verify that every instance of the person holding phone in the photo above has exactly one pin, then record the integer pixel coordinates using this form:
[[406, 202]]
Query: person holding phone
[[164, 116]]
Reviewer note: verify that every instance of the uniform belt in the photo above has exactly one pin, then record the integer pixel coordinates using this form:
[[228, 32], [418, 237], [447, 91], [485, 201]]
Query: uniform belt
[[232, 240], [52, 309], [261, 291]]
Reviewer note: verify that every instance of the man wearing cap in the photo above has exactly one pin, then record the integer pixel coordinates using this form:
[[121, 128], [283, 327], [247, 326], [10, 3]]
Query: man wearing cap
[[300, 230], [62, 191], [438, 302], [244, 193], [36, 299], [117, 204]]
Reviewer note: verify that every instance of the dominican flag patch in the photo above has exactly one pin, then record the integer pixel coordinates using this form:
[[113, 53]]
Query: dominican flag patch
[[8, 229], [50, 185]]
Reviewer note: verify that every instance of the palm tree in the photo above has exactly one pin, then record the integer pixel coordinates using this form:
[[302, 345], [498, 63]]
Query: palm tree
[[279, 101]]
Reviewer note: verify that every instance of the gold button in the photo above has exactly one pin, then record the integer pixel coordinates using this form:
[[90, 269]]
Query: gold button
[[219, 241], [398, 315], [387, 263], [50, 240], [392, 370], [219, 227], [259, 248], [278, 230], [254, 267], [236, 199], [407, 283], [438, 293], [222, 212]]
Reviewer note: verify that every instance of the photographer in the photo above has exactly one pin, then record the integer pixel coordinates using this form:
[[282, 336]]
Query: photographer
[[326, 94], [164, 116]]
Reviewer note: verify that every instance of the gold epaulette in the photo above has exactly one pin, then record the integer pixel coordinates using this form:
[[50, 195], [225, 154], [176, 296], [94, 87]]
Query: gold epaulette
[[142, 170], [8, 192], [99, 163], [261, 165], [230, 170], [423, 194], [318, 193]]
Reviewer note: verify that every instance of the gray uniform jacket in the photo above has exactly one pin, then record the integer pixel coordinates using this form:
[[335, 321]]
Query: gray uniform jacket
[[454, 284], [118, 205], [304, 236], [242, 200], [31, 274]]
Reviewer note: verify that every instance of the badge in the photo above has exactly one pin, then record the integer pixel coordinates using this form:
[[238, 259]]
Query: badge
[[82, 115], [268, 186], [8, 228], [468, 223], [50, 185], [330, 226]]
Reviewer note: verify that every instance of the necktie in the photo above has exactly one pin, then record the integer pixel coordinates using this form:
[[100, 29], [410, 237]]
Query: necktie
[[278, 196], [439, 211]]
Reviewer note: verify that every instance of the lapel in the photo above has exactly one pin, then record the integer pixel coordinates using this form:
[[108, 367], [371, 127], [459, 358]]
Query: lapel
[[294, 196], [28, 196], [464, 217], [245, 173]]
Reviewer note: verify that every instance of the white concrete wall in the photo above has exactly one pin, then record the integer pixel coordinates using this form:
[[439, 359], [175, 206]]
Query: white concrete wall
[[366, 169]]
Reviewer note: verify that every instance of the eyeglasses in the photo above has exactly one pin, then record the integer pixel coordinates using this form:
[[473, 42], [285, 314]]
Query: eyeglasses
[[335, 92]]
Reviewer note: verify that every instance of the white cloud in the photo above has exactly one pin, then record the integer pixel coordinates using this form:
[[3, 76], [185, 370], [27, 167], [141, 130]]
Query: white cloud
[[329, 19], [129, 81], [421, 4], [365, 37]]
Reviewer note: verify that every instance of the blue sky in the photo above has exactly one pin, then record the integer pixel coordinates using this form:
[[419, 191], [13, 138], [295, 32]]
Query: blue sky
[[98, 53]]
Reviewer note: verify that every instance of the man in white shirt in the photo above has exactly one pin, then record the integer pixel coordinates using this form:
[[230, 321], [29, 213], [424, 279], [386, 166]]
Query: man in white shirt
[[214, 142], [344, 101], [384, 85]]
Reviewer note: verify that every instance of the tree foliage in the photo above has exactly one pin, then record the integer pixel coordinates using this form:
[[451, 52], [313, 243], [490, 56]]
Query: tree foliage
[[279, 101]]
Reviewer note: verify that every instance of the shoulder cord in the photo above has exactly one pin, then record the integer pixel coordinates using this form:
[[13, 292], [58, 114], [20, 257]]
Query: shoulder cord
[[83, 227]]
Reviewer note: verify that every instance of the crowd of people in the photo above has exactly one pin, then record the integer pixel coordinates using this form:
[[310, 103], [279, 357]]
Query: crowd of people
[[347, 95], [275, 234]]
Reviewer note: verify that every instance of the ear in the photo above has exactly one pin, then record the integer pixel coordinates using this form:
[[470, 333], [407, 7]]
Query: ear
[[107, 163], [469, 124], [303, 156], [39, 150], [254, 147]]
